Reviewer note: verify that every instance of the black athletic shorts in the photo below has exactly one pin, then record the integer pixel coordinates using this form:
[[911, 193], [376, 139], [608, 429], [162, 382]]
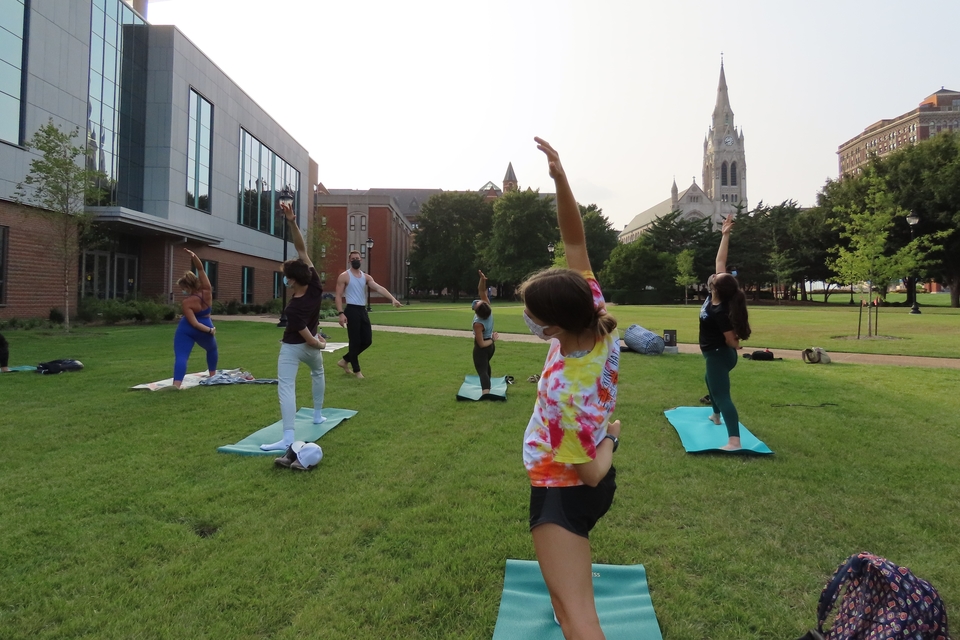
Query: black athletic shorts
[[576, 509]]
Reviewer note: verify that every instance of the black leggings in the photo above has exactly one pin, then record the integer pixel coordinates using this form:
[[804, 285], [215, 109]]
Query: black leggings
[[481, 362], [4, 352], [359, 334], [720, 362]]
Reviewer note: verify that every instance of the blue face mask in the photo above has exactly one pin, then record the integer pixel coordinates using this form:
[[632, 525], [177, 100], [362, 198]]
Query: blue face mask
[[286, 282], [535, 328]]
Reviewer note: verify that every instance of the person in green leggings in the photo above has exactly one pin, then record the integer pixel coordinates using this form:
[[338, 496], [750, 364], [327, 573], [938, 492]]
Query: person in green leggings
[[723, 324]]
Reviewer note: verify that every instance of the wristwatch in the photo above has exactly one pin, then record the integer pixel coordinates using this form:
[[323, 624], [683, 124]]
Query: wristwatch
[[616, 441]]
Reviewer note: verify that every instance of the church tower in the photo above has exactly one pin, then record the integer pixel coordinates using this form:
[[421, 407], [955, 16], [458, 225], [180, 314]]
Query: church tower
[[724, 161], [510, 179]]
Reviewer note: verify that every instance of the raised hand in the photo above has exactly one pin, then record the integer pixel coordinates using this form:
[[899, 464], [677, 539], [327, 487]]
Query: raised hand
[[553, 159], [287, 211], [193, 256], [728, 223], [482, 277]]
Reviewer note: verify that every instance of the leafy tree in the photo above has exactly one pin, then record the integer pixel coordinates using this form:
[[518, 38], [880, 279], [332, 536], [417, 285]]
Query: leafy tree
[[524, 224], [781, 265], [446, 252], [638, 265], [559, 255], [59, 187], [925, 179], [601, 237], [813, 236], [686, 277], [320, 237]]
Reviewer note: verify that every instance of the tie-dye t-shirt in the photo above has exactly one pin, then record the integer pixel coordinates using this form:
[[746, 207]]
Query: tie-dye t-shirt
[[575, 398]]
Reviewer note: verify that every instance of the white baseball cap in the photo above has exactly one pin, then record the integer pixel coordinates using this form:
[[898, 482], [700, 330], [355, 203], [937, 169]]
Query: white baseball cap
[[309, 454]]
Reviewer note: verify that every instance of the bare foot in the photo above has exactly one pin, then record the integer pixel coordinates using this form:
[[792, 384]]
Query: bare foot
[[343, 365], [733, 444], [715, 418], [359, 375]]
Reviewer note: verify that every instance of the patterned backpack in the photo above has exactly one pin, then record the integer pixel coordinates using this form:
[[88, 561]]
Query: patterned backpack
[[881, 601]]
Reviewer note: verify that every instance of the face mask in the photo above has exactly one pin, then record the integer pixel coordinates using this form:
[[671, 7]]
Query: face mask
[[355, 264], [286, 281], [535, 329], [185, 292]]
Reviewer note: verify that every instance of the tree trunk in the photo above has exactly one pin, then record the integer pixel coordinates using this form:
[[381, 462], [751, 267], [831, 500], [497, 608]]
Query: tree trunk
[[66, 299], [869, 305], [954, 283]]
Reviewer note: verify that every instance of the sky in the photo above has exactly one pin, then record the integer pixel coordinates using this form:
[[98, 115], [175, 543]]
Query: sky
[[443, 94]]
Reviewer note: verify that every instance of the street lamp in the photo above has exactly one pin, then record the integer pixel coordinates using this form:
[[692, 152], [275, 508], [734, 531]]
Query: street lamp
[[407, 262], [912, 220], [369, 267], [550, 250], [286, 197]]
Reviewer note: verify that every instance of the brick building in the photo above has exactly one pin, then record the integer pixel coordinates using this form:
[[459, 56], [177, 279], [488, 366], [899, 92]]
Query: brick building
[[191, 161]]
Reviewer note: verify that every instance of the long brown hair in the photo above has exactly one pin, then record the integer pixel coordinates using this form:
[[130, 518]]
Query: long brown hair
[[189, 281], [728, 290], [563, 298]]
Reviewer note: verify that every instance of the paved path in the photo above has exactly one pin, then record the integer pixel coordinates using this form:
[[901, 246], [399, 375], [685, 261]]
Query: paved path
[[835, 356]]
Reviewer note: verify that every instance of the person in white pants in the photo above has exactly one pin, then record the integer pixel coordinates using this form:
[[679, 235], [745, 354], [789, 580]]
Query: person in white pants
[[301, 342]]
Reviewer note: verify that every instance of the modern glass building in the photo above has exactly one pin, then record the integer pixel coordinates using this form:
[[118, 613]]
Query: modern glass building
[[188, 159]]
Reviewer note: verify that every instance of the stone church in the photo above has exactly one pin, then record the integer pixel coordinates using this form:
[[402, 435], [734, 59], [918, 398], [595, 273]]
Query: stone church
[[724, 187]]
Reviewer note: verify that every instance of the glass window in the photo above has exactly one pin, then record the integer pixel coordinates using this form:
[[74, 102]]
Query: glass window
[[246, 293], [723, 174], [277, 284], [263, 174], [733, 174], [11, 68], [199, 145], [4, 241]]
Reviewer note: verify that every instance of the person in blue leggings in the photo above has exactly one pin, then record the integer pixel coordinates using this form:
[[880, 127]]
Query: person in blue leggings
[[723, 324], [195, 326]]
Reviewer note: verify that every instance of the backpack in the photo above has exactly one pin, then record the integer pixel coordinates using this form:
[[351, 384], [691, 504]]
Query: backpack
[[643, 340], [59, 366], [816, 355], [766, 354], [880, 601]]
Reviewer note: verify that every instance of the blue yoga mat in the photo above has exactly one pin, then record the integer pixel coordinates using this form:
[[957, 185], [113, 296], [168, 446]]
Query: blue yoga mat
[[471, 390], [23, 367], [699, 434], [304, 430], [621, 593]]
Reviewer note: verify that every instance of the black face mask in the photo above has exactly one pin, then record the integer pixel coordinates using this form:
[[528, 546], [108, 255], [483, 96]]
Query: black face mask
[[355, 264]]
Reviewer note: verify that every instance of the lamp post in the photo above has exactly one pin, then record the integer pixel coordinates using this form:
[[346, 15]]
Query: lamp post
[[912, 220], [407, 263], [286, 197], [550, 250], [369, 267]]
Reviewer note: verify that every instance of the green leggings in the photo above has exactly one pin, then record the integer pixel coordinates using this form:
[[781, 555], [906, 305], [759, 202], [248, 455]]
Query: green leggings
[[720, 362]]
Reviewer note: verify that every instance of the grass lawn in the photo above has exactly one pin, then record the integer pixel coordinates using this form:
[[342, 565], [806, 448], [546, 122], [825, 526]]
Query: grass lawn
[[935, 332], [120, 519]]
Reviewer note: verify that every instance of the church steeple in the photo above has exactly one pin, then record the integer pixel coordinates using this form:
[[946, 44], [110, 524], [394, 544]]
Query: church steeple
[[724, 160], [722, 113], [510, 179], [674, 195]]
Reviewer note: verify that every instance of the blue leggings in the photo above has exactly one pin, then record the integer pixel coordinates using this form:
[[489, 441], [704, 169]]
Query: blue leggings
[[183, 341], [720, 362]]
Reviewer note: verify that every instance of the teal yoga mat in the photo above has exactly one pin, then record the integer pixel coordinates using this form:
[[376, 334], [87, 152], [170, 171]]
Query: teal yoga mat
[[698, 434], [470, 389], [23, 367], [621, 593], [304, 430]]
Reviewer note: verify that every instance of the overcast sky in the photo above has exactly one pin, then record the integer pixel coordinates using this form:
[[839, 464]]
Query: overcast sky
[[443, 94]]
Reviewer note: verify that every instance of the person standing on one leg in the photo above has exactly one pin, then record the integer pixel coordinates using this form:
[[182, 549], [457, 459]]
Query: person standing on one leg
[[352, 285], [4, 355], [569, 442], [195, 326], [300, 342], [484, 337], [723, 324]]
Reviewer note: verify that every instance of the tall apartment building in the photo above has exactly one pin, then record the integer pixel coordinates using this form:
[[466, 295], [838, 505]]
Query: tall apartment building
[[191, 160], [938, 112]]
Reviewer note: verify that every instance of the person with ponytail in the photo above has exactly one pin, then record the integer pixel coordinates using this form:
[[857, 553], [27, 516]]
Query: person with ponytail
[[723, 324], [569, 442], [484, 337], [195, 326]]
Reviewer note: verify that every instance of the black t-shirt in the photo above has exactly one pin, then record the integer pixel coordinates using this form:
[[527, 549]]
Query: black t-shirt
[[714, 322], [304, 311]]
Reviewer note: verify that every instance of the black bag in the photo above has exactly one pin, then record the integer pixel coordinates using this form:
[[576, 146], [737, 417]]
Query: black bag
[[59, 366], [766, 354]]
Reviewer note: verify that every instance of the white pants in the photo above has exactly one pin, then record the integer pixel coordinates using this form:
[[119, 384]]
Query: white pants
[[291, 355]]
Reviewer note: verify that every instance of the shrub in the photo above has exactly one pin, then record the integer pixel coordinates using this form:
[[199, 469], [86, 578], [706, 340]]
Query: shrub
[[153, 312], [218, 308], [114, 311], [232, 307], [56, 316], [88, 309], [274, 306]]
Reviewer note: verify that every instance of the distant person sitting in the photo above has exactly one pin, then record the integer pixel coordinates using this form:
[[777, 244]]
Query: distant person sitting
[[4, 355]]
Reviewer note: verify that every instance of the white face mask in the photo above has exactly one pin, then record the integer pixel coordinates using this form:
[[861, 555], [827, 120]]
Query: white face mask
[[185, 292], [535, 328], [286, 282]]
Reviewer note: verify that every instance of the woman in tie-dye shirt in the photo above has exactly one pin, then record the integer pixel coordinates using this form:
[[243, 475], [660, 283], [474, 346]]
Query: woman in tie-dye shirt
[[569, 442]]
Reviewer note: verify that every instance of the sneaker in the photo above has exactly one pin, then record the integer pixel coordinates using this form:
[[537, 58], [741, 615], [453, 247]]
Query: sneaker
[[296, 466], [287, 460], [705, 399]]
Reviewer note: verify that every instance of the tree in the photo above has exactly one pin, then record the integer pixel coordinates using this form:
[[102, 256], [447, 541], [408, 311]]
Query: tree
[[638, 265], [59, 187], [781, 264], [320, 238], [686, 277], [600, 235], [524, 224], [450, 236]]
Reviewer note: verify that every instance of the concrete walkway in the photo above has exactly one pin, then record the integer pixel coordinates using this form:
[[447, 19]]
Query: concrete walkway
[[835, 356]]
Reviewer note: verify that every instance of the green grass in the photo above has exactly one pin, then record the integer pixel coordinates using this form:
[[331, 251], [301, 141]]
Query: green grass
[[121, 520], [935, 332]]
